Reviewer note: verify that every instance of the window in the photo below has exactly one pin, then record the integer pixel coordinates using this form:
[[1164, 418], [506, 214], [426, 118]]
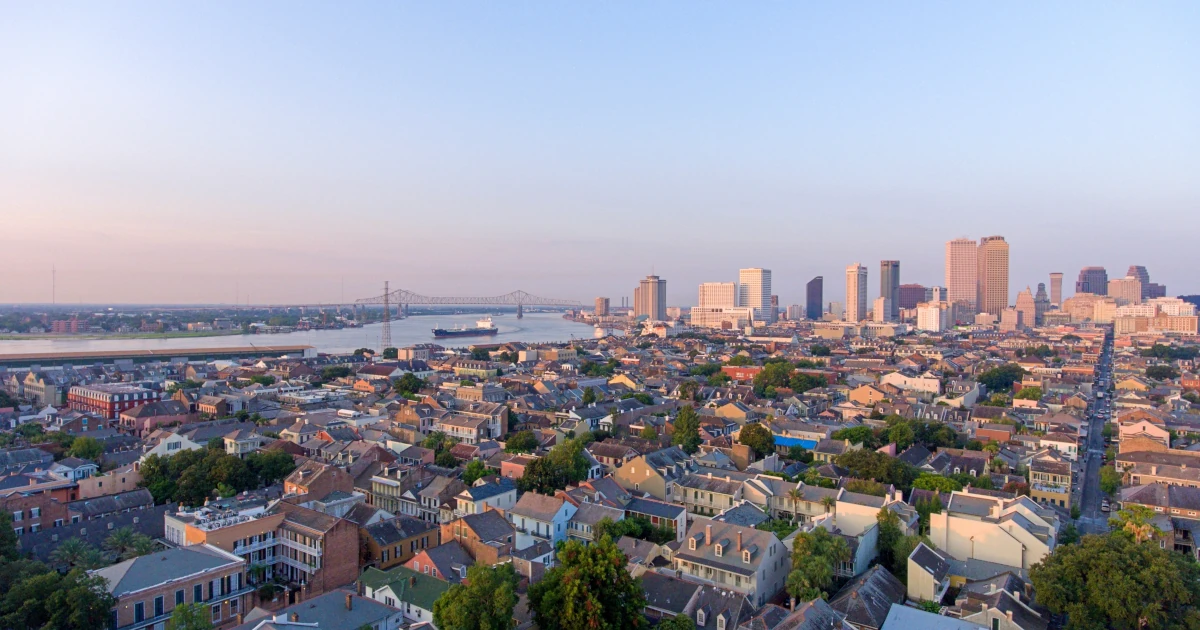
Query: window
[[139, 612], [719, 549], [35, 528], [18, 516], [721, 622], [58, 522], [179, 597], [158, 605], [233, 606], [216, 613], [699, 617], [995, 624], [197, 593], [35, 512], [692, 544]]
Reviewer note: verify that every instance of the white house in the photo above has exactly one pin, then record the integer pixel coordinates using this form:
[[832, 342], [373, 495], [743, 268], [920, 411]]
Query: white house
[[539, 518]]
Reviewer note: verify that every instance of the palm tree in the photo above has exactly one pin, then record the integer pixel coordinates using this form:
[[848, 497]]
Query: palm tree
[[70, 552], [142, 545], [795, 494], [830, 504], [119, 541]]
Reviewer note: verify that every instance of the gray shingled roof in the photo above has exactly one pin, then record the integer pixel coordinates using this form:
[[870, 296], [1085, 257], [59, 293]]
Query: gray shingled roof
[[159, 568], [868, 598]]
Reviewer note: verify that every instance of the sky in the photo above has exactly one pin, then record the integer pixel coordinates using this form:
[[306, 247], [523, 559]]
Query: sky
[[297, 152]]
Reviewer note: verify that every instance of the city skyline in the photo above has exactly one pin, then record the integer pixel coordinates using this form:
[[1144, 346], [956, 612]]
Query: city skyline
[[138, 149]]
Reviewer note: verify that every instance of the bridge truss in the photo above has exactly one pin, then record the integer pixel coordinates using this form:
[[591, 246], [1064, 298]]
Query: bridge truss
[[404, 298]]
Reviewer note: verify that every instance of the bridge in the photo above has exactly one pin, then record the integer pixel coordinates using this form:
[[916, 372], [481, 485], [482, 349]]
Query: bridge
[[403, 298]]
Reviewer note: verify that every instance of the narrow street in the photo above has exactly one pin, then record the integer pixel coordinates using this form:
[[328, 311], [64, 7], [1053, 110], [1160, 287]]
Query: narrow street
[[1092, 520]]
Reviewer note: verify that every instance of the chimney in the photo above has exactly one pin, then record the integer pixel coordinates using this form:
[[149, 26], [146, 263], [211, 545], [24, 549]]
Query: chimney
[[707, 535], [349, 601], [294, 617], [739, 541]]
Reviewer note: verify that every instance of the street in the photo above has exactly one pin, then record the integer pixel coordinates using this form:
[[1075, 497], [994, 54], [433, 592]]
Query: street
[[1092, 520]]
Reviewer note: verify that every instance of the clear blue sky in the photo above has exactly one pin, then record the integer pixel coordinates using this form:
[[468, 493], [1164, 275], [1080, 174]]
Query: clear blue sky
[[180, 152]]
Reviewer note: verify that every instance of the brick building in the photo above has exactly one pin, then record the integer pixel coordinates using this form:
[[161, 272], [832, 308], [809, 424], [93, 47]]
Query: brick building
[[109, 400]]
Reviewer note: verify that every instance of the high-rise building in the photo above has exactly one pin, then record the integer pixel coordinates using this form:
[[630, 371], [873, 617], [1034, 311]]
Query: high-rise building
[[650, 298], [1041, 304], [1139, 272], [962, 273], [774, 307], [1127, 290], [601, 307], [814, 297], [1027, 307], [754, 291], [933, 316], [889, 285], [1150, 290], [993, 274], [882, 311], [856, 293], [935, 294], [1092, 280], [913, 294], [718, 295], [1056, 288], [837, 310], [795, 312]]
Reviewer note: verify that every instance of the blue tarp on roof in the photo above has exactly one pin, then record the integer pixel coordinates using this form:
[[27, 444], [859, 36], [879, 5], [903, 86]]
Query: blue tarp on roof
[[790, 442]]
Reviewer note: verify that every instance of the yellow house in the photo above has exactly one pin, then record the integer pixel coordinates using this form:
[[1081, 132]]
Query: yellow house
[[627, 381], [866, 395]]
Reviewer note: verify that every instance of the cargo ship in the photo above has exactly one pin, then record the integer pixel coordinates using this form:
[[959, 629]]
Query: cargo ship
[[482, 327]]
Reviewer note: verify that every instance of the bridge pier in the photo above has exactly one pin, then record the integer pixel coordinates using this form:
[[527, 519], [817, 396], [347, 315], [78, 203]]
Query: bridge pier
[[520, 310]]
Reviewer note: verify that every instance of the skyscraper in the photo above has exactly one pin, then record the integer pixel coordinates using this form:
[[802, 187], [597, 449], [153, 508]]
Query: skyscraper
[[993, 275], [1127, 290], [650, 298], [912, 294], [1027, 307], [814, 297], [601, 307], [856, 293], [1139, 272], [1056, 288], [718, 295], [889, 285], [962, 273], [754, 291], [1092, 280], [1041, 304]]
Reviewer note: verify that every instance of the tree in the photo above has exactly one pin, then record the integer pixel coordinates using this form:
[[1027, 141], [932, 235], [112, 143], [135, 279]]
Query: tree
[[925, 507], [521, 442], [75, 553], [815, 556], [1137, 521], [758, 437], [799, 454], [335, 372], [902, 435], [9, 548], [564, 464], [1110, 480], [936, 483], [408, 384], [649, 433], [740, 360], [485, 601], [866, 464], [81, 602], [86, 448], [589, 396], [857, 435], [190, 617], [1162, 372], [589, 588], [1029, 393], [866, 486], [1112, 581], [889, 534], [638, 527], [475, 469], [1001, 378], [720, 379], [901, 550], [678, 622], [270, 466], [819, 350], [773, 375], [686, 433], [390, 354], [445, 459]]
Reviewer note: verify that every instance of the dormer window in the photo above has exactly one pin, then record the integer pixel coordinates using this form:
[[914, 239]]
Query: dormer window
[[746, 556], [721, 622], [700, 618], [692, 544], [719, 549]]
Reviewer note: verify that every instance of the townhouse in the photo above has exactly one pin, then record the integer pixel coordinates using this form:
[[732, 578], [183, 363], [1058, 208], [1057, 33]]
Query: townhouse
[[745, 560]]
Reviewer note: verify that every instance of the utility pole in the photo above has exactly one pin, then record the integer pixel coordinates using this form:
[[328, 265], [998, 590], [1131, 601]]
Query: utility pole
[[387, 319]]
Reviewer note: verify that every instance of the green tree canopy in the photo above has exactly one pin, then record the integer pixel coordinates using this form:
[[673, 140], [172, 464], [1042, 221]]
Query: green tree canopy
[[867, 464], [937, 483], [815, 556], [1112, 581], [484, 601], [589, 588], [86, 448], [190, 617], [648, 433], [1029, 393], [999, 379], [521, 442], [686, 430], [1162, 372], [474, 470], [758, 437]]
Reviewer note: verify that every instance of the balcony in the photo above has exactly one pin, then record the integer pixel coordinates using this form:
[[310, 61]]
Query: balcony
[[299, 564], [299, 546], [240, 549]]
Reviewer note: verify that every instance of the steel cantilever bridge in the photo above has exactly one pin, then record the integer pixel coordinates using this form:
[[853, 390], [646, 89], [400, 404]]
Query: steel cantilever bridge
[[403, 298]]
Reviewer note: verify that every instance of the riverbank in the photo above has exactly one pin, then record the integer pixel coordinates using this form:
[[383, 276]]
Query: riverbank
[[138, 335]]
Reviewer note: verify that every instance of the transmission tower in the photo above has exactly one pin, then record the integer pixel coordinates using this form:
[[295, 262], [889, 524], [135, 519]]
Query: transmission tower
[[387, 319]]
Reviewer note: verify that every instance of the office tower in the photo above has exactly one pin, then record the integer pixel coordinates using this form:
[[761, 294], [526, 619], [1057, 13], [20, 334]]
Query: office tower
[[795, 312], [962, 273], [993, 275], [935, 294], [601, 307], [856, 293], [774, 307], [1092, 280], [912, 294], [814, 297], [1056, 288], [1011, 320], [837, 310], [1127, 290], [718, 295], [1041, 304], [1150, 290], [889, 285], [882, 312], [754, 291], [1139, 272], [650, 298], [933, 316], [1027, 306]]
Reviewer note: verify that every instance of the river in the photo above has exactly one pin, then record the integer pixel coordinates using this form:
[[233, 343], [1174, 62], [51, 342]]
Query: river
[[534, 327]]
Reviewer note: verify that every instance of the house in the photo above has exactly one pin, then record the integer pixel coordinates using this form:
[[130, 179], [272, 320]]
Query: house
[[539, 518], [394, 541], [928, 575], [828, 449], [500, 494], [1001, 602], [747, 561], [337, 610], [405, 589], [148, 588], [709, 607], [654, 473], [1050, 482], [317, 479], [142, 420], [448, 562], [866, 395], [707, 495], [659, 513], [582, 525], [908, 618], [1012, 532], [242, 442], [866, 600], [487, 536]]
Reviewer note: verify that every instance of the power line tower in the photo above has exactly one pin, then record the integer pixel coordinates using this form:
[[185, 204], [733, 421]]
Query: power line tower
[[387, 319]]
